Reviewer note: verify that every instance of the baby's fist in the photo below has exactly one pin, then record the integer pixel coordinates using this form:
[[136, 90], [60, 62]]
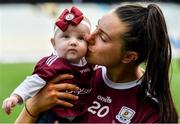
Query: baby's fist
[[9, 103]]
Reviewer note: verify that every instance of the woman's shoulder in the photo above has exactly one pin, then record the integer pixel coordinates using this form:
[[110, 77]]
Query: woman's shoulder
[[149, 111], [151, 103]]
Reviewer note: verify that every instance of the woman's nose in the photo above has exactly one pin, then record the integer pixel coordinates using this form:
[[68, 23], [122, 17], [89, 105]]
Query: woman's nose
[[90, 39]]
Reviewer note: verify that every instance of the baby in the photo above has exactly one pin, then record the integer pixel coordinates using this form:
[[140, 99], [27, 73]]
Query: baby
[[68, 57]]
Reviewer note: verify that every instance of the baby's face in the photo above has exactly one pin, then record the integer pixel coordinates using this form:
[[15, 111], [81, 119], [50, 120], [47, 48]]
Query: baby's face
[[71, 44]]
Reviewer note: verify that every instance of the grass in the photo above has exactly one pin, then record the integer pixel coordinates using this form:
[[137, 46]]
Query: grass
[[175, 84], [12, 74]]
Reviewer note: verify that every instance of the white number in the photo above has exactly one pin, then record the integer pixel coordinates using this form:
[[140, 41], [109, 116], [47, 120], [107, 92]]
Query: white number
[[103, 111], [95, 107], [100, 112]]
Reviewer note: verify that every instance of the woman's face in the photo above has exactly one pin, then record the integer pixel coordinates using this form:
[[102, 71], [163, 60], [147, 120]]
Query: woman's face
[[105, 43]]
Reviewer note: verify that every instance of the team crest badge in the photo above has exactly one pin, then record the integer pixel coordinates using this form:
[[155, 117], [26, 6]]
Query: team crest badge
[[125, 115]]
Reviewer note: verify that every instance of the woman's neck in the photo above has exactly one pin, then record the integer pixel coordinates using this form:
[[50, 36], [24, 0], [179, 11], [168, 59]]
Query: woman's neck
[[124, 73]]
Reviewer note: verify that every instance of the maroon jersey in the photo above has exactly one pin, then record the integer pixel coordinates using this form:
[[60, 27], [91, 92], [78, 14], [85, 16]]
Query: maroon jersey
[[50, 67], [118, 103]]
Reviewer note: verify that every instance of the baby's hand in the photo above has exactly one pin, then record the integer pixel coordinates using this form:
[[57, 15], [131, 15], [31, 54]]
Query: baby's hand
[[9, 103]]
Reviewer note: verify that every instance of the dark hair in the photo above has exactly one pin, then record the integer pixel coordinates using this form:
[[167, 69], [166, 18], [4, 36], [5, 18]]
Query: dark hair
[[148, 37]]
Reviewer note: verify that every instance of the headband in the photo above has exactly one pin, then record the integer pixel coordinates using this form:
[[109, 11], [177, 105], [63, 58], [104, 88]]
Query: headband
[[73, 17]]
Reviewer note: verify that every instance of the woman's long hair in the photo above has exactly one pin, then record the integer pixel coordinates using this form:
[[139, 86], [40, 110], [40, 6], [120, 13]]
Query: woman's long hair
[[148, 36]]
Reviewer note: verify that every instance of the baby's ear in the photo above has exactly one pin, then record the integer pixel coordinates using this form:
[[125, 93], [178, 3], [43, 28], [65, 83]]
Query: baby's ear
[[130, 56], [53, 42]]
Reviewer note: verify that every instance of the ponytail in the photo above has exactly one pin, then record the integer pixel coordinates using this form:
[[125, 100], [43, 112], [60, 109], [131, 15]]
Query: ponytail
[[148, 37], [158, 63]]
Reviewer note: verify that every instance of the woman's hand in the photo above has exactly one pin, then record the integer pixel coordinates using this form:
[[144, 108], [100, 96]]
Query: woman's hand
[[52, 94]]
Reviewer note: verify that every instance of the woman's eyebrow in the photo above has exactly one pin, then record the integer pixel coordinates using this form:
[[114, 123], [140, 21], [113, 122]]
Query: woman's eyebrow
[[103, 30]]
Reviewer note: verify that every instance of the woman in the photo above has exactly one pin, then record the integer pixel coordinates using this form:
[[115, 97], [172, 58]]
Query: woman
[[123, 92]]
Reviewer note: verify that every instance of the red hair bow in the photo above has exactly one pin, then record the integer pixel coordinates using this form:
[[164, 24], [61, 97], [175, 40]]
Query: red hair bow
[[73, 17]]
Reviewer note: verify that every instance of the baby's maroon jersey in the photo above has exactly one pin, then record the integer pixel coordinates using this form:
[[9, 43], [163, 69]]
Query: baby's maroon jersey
[[50, 67], [113, 105]]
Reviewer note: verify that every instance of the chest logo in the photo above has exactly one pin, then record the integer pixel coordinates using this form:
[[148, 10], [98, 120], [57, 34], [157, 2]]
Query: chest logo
[[125, 115]]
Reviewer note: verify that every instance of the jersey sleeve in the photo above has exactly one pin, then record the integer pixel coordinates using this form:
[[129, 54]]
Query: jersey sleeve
[[149, 112], [29, 87], [152, 117], [47, 68]]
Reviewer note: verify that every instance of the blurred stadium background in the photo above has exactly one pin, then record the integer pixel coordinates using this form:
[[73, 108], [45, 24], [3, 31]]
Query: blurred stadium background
[[26, 27]]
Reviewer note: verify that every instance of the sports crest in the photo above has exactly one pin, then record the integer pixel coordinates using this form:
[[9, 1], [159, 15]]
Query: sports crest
[[125, 115]]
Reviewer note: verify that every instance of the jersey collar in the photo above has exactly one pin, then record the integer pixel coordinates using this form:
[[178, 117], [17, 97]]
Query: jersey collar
[[114, 85]]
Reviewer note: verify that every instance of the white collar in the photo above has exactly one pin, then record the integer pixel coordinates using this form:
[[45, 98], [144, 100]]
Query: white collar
[[81, 63], [114, 85]]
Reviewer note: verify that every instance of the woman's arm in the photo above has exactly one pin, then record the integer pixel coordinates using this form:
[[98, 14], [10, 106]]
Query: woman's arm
[[24, 117], [52, 94]]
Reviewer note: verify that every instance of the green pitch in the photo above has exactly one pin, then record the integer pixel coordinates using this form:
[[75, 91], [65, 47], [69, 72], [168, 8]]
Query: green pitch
[[12, 74]]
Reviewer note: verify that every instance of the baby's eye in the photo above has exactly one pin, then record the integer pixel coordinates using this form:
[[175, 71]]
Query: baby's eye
[[81, 38], [65, 36]]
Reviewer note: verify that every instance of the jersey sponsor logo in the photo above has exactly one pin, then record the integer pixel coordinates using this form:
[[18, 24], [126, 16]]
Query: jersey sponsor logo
[[125, 115], [80, 91], [85, 70], [106, 99]]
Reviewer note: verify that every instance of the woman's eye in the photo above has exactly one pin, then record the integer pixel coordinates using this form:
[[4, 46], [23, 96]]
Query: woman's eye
[[102, 38]]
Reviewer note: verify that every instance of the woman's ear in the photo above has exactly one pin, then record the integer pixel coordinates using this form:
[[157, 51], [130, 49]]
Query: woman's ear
[[130, 56], [53, 42]]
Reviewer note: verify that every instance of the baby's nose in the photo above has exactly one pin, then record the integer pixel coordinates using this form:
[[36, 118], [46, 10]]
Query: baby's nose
[[73, 42]]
